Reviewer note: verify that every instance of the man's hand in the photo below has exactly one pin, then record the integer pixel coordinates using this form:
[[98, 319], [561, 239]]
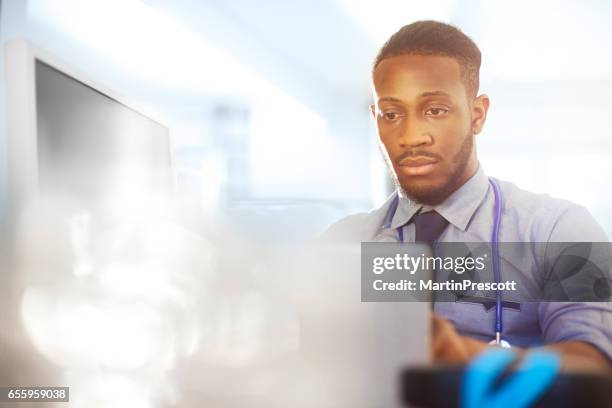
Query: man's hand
[[448, 346]]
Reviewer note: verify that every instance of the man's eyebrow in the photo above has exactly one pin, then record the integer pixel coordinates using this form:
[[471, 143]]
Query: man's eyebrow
[[389, 99], [421, 95]]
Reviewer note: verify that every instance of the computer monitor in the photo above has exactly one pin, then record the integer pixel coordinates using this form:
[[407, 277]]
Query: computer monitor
[[73, 138]]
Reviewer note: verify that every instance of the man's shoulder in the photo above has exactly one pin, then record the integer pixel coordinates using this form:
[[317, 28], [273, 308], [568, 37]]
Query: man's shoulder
[[531, 202], [347, 229], [357, 227], [545, 217]]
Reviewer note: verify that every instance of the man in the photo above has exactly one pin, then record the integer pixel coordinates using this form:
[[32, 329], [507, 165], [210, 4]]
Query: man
[[428, 111]]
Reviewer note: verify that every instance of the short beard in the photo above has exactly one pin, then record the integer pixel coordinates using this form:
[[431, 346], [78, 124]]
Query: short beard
[[437, 194]]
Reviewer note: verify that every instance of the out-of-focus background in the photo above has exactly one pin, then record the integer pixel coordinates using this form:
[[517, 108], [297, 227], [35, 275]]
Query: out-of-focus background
[[266, 103]]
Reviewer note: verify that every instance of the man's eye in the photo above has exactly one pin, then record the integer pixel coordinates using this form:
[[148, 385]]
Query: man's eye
[[436, 111], [391, 116]]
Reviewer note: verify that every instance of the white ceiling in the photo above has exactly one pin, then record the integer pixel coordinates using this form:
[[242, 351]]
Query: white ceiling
[[331, 43]]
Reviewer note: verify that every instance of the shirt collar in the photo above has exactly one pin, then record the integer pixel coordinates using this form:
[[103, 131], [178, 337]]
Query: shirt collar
[[457, 209]]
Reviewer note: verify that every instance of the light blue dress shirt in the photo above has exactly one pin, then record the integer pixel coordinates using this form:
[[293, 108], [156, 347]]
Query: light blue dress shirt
[[526, 217]]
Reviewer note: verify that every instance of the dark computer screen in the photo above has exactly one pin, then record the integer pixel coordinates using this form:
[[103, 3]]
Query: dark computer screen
[[90, 145]]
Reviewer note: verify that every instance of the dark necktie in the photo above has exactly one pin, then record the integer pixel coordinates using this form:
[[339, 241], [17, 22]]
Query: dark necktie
[[429, 226]]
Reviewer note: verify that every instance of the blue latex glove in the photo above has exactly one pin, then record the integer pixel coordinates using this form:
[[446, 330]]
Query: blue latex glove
[[523, 388]]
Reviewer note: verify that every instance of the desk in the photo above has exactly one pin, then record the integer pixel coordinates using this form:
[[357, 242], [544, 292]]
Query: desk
[[440, 386]]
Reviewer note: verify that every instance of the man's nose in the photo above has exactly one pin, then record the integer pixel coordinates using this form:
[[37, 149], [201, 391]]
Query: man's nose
[[414, 134]]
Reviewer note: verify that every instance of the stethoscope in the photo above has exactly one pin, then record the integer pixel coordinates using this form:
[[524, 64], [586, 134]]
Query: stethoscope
[[495, 244]]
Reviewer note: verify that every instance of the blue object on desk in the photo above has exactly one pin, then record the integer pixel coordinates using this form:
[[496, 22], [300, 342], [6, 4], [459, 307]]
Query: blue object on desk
[[523, 388]]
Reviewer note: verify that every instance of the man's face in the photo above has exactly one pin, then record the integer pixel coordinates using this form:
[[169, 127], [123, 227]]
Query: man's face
[[426, 124]]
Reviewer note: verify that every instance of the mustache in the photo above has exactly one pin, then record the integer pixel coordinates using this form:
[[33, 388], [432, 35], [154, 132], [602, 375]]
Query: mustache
[[417, 153]]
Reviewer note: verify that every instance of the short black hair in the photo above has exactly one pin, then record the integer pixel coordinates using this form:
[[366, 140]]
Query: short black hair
[[436, 38]]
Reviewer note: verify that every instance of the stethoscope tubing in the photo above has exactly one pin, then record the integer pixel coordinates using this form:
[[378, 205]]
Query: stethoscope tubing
[[496, 259]]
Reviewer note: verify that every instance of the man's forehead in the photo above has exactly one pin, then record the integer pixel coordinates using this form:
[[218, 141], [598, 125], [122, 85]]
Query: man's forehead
[[417, 75]]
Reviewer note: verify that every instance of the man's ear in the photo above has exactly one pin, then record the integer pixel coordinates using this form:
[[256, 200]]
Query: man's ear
[[480, 107], [373, 110]]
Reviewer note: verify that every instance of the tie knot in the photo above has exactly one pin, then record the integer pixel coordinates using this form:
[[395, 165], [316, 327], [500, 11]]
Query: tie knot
[[429, 226]]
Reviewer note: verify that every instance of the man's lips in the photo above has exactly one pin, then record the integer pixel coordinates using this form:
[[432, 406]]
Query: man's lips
[[417, 166]]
